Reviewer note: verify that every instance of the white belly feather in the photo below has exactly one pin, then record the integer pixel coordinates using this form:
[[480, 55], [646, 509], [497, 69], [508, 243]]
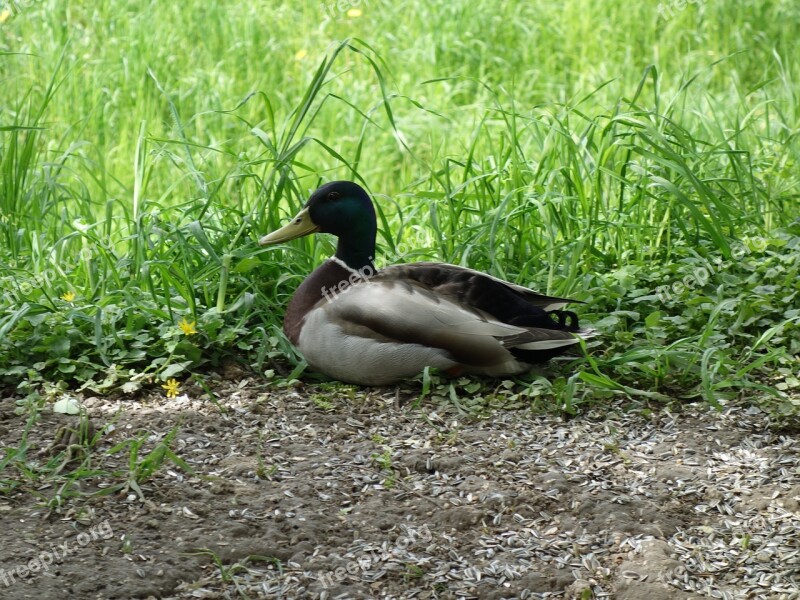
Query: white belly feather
[[363, 360]]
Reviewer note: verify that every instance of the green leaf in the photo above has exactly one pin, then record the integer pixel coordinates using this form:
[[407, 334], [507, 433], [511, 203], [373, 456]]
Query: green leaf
[[68, 405], [653, 319], [58, 345], [173, 369]]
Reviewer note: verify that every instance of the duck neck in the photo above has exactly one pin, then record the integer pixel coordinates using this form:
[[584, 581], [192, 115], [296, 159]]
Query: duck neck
[[357, 250]]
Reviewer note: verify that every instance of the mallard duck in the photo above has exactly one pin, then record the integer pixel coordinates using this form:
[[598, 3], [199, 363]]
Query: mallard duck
[[366, 326]]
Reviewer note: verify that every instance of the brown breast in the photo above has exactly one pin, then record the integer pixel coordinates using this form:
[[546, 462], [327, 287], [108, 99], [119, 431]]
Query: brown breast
[[329, 279]]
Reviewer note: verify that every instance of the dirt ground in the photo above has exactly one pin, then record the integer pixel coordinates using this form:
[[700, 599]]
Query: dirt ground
[[308, 493]]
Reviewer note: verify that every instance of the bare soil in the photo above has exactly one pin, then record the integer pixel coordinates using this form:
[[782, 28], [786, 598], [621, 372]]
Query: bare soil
[[312, 493]]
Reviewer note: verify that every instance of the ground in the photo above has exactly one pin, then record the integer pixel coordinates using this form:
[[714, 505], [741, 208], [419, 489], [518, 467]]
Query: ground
[[307, 493]]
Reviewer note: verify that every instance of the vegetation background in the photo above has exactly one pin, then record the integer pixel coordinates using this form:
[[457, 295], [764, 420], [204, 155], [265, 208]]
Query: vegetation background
[[642, 157]]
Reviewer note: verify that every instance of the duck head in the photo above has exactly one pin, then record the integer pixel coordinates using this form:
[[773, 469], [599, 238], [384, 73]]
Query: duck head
[[341, 208]]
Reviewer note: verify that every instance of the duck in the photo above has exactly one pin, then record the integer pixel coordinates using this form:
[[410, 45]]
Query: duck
[[374, 327]]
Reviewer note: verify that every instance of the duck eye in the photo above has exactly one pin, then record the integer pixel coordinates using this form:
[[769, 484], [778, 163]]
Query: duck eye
[[334, 196]]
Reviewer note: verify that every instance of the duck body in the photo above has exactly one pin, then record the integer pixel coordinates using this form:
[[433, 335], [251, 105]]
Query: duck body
[[361, 325]]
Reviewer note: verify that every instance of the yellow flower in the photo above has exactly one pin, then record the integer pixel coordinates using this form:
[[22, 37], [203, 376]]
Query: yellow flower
[[173, 388], [4, 14], [354, 13], [300, 55], [187, 327], [68, 296]]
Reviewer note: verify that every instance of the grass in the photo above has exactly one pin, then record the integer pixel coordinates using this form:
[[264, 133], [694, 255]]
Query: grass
[[643, 160], [73, 466]]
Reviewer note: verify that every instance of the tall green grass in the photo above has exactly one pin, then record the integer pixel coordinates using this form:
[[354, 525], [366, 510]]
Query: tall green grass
[[602, 151]]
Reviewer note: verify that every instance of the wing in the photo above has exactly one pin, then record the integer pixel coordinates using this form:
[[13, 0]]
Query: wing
[[406, 311], [505, 301]]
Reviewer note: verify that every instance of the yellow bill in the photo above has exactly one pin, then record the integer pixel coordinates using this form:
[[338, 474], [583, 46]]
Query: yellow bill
[[298, 227]]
